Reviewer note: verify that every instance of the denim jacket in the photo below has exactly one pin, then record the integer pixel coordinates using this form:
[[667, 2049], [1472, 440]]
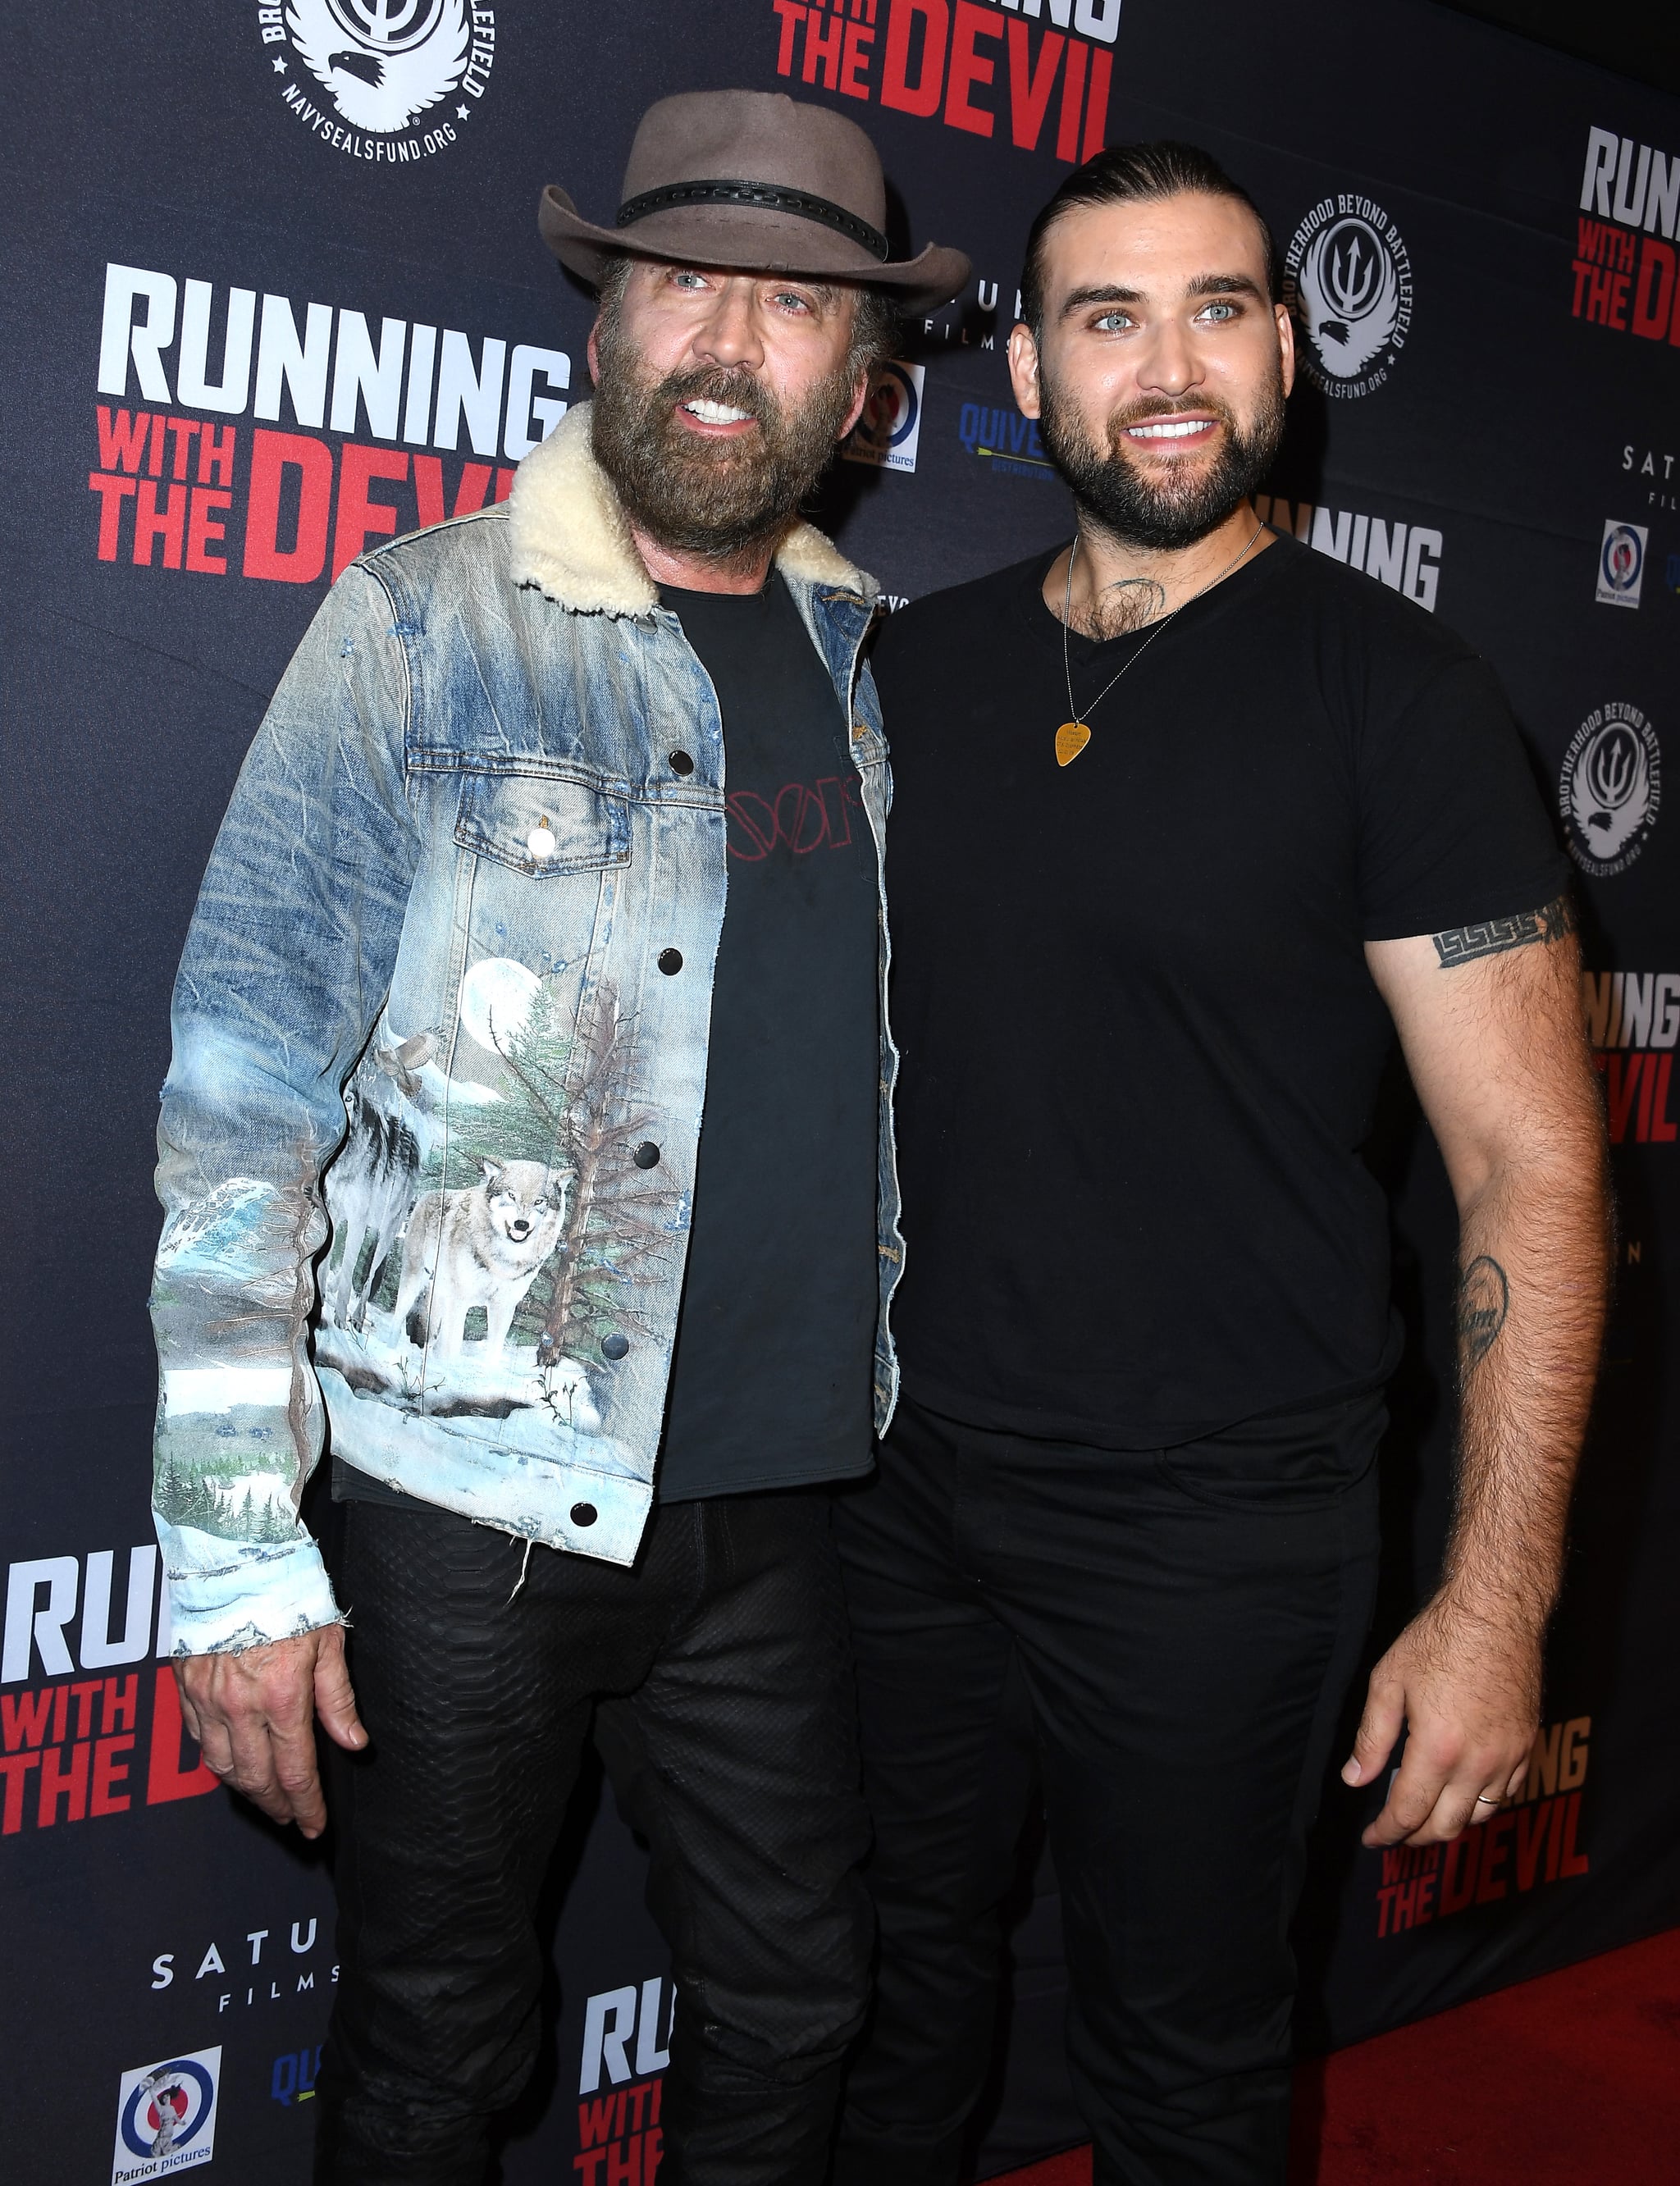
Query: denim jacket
[[428, 1138]]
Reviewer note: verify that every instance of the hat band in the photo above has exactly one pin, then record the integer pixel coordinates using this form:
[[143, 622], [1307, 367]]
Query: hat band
[[764, 197]]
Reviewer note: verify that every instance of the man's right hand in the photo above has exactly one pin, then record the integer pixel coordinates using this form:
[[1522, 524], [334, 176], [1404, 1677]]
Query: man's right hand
[[253, 1715]]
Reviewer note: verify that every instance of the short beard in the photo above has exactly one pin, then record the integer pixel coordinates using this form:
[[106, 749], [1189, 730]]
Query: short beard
[[721, 499], [1112, 493]]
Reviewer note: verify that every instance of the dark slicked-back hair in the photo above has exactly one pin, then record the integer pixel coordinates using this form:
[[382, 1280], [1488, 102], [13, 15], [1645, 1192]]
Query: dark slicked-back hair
[[1136, 174]]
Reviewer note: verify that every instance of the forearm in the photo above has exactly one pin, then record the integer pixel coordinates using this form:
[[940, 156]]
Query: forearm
[[287, 962], [1533, 1268]]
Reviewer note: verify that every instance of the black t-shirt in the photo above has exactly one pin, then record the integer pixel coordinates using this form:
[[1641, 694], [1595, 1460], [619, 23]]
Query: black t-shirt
[[1140, 1041], [772, 1380]]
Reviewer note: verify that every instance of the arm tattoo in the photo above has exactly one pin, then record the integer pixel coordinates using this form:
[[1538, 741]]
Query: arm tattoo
[[1484, 1300], [1461, 945]]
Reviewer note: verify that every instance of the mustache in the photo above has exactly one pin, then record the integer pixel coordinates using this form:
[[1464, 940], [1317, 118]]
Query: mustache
[[734, 390], [1151, 409]]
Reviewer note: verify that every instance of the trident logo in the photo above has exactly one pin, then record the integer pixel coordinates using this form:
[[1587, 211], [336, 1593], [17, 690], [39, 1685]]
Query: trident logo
[[389, 27], [1614, 768], [1353, 276], [1349, 293]]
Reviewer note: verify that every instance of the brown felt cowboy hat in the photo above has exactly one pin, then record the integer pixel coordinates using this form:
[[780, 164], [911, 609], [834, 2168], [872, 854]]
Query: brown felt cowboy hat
[[750, 181]]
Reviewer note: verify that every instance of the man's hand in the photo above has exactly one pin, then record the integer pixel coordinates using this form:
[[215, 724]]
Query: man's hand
[[1468, 1690], [252, 1716]]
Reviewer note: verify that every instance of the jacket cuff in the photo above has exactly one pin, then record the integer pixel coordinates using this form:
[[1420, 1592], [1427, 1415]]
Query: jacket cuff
[[223, 1600]]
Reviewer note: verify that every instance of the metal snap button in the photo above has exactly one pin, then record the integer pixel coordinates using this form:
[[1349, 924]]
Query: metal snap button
[[670, 961], [540, 841], [583, 1513], [647, 1155], [614, 1345], [681, 763]]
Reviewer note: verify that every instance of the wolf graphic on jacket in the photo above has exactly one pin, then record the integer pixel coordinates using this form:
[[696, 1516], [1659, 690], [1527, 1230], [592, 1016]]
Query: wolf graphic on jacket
[[482, 1248]]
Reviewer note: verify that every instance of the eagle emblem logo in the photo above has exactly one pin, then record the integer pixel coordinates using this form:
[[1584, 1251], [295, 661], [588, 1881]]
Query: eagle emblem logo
[[383, 62], [1349, 290], [1610, 788]]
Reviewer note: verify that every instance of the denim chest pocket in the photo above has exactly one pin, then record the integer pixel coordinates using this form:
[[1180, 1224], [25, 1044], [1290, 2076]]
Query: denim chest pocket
[[542, 825]]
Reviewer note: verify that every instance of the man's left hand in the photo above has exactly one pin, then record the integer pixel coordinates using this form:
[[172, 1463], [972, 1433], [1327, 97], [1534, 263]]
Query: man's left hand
[[1467, 1690]]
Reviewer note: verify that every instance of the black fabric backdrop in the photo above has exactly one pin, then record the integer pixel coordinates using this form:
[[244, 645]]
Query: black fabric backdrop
[[1496, 364]]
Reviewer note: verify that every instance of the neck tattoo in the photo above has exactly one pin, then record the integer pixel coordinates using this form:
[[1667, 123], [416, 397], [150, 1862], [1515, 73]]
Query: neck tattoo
[[1074, 734]]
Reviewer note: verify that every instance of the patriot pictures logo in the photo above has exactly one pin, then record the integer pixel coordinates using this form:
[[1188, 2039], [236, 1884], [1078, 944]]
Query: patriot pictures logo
[[1621, 565], [1610, 789], [1348, 278], [166, 2117], [889, 431], [390, 79]]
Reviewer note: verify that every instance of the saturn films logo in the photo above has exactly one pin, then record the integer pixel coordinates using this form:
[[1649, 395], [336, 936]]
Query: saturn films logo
[[1609, 789], [382, 80], [1348, 278], [166, 2117]]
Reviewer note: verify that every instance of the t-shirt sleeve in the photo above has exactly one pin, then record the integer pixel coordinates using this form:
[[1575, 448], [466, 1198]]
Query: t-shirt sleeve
[[1452, 828]]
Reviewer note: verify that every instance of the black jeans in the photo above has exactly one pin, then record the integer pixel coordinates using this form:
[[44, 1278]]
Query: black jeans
[[720, 1669], [1161, 1641]]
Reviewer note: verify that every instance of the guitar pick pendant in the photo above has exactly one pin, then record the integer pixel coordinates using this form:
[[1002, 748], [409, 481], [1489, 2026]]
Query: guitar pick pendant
[[1071, 739]]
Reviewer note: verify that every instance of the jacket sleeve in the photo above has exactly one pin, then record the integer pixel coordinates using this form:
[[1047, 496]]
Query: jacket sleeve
[[286, 967]]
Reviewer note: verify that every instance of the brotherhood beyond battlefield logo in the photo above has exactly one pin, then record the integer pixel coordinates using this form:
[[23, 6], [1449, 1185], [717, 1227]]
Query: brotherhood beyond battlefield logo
[[1621, 565], [166, 2117], [1610, 788], [375, 77], [889, 431], [1348, 278]]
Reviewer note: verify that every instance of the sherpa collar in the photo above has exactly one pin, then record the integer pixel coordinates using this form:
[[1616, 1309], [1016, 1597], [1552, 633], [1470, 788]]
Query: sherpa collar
[[570, 538]]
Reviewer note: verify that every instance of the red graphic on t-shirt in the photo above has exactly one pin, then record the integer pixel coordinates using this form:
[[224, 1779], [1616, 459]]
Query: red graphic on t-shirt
[[801, 817]]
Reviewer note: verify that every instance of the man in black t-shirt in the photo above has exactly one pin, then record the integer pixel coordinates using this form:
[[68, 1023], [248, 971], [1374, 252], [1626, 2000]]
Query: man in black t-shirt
[[1188, 822]]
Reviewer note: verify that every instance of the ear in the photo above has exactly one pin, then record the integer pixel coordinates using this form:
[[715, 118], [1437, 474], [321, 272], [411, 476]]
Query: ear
[[1023, 368], [856, 410], [1285, 344], [492, 1169], [591, 350], [860, 396]]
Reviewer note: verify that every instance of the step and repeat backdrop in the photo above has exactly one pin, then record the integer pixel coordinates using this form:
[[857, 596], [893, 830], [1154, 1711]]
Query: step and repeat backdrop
[[273, 291]]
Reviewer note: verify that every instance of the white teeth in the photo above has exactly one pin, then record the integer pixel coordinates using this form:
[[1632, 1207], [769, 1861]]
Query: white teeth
[[714, 413], [1168, 430]]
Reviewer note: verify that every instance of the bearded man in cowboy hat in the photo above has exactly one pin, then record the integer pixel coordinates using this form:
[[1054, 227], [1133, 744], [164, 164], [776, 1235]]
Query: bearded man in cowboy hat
[[461, 976]]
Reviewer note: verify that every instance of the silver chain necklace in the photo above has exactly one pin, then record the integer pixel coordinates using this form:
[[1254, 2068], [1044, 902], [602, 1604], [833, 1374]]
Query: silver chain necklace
[[1074, 734]]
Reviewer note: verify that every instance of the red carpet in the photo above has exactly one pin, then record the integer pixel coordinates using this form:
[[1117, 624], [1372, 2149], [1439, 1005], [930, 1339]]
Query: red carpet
[[1567, 2080]]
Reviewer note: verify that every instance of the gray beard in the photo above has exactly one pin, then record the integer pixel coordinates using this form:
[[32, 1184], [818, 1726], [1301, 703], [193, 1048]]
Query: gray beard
[[720, 499]]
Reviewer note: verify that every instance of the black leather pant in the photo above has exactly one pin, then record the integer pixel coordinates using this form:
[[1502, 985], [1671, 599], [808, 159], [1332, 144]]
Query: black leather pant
[[1158, 1642], [720, 1669]]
